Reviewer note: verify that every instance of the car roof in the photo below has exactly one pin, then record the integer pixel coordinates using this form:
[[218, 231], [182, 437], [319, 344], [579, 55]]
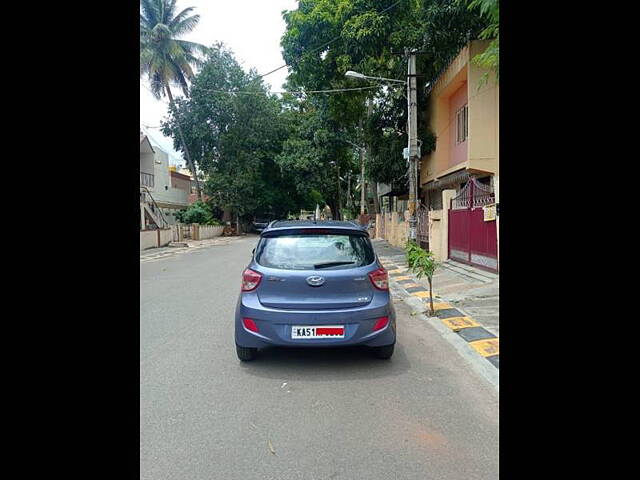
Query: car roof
[[282, 225]]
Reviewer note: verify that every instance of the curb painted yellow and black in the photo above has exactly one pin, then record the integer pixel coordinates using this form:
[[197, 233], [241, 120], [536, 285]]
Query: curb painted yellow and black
[[478, 337]]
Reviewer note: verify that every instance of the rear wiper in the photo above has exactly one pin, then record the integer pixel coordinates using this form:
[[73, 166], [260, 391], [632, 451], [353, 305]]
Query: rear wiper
[[332, 264]]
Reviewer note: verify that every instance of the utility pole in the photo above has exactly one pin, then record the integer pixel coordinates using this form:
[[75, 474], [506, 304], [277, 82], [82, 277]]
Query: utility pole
[[412, 131]]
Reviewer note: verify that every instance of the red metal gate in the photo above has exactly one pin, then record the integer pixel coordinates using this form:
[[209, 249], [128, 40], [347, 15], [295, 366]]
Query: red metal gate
[[473, 240]]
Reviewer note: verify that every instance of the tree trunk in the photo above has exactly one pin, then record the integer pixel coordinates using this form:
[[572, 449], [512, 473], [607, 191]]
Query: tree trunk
[[363, 183], [192, 167], [332, 205], [226, 215], [339, 202], [376, 200], [431, 296]]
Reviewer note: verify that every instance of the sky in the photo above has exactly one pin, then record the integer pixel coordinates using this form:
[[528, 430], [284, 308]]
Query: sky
[[250, 28]]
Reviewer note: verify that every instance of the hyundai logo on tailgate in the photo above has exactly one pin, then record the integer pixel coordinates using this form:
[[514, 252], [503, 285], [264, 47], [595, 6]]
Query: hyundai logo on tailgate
[[315, 280]]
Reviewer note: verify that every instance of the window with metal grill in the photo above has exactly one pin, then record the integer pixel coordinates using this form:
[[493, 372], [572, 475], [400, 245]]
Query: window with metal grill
[[462, 124]]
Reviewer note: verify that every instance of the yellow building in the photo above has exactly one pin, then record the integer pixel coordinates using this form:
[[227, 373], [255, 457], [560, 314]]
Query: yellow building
[[464, 116]]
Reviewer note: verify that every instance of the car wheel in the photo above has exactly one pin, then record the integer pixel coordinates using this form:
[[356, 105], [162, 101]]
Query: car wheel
[[246, 354], [384, 352]]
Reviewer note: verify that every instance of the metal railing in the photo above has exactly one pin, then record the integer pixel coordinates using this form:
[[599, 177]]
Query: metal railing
[[144, 193], [473, 195]]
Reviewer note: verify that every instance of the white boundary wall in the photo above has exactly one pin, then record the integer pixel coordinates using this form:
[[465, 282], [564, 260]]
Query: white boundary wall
[[155, 238]]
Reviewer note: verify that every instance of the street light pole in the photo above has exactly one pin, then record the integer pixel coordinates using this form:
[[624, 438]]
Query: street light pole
[[412, 130]]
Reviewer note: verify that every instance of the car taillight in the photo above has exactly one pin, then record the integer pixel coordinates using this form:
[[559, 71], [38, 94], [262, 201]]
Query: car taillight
[[380, 279], [250, 280], [249, 324], [381, 323]]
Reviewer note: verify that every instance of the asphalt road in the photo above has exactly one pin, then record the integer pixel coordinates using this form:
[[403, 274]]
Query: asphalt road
[[296, 414]]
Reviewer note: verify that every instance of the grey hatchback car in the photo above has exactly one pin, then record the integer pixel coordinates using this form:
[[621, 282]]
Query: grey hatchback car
[[314, 285]]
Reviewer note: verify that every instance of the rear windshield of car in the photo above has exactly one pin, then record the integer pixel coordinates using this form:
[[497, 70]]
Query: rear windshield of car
[[315, 252]]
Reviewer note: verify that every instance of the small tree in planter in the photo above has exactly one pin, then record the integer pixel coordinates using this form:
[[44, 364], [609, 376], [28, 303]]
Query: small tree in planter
[[422, 264], [413, 250]]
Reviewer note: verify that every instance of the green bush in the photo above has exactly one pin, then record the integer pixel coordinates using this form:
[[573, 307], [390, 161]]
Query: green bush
[[197, 212]]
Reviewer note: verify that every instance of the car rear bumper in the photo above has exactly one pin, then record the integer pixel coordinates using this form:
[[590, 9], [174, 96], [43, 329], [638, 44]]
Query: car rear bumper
[[275, 326]]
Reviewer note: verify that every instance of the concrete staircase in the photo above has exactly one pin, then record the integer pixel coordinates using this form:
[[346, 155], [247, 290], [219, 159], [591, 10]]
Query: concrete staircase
[[150, 209]]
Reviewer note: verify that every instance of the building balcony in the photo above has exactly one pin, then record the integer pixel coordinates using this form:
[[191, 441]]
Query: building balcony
[[146, 179]]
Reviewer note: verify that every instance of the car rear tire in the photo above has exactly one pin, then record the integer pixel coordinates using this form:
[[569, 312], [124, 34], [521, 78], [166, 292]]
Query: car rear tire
[[385, 352], [246, 354]]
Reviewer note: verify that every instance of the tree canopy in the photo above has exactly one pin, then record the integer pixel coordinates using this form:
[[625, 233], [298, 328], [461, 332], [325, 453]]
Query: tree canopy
[[238, 132], [326, 38], [267, 154], [165, 59]]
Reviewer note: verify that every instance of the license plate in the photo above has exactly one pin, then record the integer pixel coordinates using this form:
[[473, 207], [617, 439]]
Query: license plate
[[324, 331]]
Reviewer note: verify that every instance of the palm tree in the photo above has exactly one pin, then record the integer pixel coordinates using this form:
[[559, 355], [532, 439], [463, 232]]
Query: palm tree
[[164, 59]]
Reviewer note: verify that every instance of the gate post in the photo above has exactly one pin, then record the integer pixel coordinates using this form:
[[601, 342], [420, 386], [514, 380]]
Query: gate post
[[496, 189], [447, 196], [472, 193]]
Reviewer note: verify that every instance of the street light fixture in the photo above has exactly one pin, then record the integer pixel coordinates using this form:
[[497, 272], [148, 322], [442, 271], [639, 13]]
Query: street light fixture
[[361, 76], [353, 74]]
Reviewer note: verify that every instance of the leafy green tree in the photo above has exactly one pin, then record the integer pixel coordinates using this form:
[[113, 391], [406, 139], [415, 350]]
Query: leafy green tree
[[314, 157], [165, 59], [326, 38], [423, 264], [235, 137], [490, 58]]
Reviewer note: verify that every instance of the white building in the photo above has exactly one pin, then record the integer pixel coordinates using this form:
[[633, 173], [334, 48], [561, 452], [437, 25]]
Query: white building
[[163, 191]]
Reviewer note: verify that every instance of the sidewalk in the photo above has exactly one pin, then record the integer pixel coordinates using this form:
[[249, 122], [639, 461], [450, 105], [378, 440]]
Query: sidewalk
[[186, 246], [466, 299]]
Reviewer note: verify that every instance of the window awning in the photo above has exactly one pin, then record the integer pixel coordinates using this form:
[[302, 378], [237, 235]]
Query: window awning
[[447, 180]]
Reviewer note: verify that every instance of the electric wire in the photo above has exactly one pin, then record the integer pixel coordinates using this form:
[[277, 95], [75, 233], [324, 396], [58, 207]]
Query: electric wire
[[324, 44]]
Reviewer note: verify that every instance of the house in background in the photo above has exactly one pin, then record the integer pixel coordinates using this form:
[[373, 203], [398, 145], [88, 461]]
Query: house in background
[[146, 162], [193, 192], [459, 179], [163, 191]]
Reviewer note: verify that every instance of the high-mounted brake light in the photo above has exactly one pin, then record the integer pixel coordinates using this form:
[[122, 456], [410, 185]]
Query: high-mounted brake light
[[250, 280], [380, 279]]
